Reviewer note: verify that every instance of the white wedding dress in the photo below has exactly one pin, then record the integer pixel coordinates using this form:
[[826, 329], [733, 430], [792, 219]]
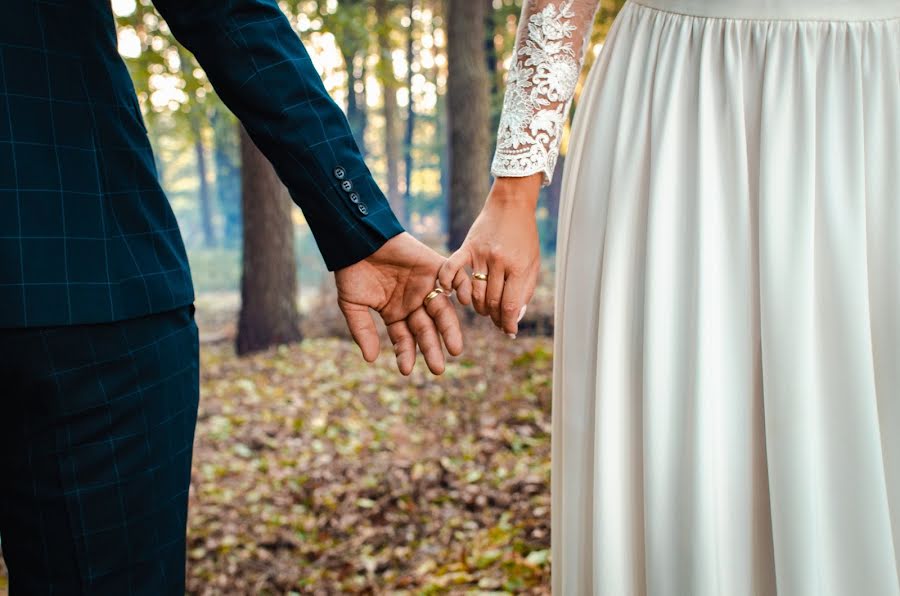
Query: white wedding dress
[[726, 414]]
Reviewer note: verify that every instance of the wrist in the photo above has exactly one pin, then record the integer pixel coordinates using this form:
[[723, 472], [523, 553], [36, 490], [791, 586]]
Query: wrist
[[516, 192], [395, 246]]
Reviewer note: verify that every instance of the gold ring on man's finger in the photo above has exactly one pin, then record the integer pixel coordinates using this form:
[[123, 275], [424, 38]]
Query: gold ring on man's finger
[[434, 294], [480, 276]]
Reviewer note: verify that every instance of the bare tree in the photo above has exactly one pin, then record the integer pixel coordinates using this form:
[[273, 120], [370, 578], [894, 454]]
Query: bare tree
[[468, 113], [269, 313]]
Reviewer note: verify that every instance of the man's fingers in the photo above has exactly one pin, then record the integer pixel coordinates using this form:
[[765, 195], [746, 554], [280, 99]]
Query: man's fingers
[[494, 293], [422, 326], [451, 268], [511, 304], [404, 346], [362, 328], [441, 310]]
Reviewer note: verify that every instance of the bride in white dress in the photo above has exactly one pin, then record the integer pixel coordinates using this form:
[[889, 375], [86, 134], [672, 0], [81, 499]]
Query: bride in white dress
[[726, 415]]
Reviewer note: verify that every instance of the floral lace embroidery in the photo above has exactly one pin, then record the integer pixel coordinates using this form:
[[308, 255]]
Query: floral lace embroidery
[[540, 87]]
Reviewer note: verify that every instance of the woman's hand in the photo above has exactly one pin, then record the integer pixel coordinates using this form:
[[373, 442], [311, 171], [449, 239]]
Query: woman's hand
[[502, 244]]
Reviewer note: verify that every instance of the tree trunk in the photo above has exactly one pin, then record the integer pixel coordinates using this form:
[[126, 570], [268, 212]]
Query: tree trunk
[[390, 111], [468, 115], [410, 112], [209, 234], [269, 283]]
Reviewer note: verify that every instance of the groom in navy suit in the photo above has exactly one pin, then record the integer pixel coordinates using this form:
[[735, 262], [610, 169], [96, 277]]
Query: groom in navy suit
[[98, 347]]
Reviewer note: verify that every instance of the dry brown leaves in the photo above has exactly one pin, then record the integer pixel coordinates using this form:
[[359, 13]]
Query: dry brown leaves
[[317, 473]]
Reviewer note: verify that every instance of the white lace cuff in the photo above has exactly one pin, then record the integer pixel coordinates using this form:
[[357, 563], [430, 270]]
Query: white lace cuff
[[540, 86]]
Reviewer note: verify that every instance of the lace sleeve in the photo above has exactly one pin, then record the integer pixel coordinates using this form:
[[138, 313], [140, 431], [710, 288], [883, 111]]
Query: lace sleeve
[[541, 82]]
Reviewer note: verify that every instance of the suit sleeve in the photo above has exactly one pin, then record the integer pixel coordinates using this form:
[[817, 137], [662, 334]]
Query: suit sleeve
[[262, 72]]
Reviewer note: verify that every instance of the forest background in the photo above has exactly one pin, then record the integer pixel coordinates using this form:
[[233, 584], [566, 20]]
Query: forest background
[[386, 64], [313, 472]]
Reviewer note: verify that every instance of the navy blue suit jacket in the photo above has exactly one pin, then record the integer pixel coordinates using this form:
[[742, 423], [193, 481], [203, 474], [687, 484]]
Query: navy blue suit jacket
[[86, 233]]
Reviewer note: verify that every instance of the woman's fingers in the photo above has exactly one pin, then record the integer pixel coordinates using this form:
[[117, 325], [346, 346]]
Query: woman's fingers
[[480, 278], [531, 284], [494, 291], [511, 304], [404, 346], [462, 285], [453, 276], [451, 268], [487, 289], [426, 334]]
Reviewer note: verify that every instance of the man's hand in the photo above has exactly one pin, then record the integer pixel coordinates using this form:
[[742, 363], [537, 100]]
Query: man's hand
[[395, 281]]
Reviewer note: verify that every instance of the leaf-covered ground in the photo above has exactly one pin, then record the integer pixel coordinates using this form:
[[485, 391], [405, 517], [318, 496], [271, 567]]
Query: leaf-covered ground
[[315, 473]]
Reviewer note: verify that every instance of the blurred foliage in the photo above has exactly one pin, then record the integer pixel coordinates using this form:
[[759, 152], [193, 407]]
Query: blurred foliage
[[347, 41], [219, 269], [215, 270], [321, 474]]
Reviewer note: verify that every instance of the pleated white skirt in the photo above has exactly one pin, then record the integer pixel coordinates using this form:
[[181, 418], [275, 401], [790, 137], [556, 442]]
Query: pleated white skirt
[[726, 415]]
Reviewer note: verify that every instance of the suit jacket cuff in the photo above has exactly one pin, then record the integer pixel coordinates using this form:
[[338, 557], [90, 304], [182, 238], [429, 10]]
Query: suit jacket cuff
[[359, 219]]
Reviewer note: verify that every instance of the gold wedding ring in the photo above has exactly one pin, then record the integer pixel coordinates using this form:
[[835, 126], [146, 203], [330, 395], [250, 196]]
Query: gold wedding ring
[[480, 276], [434, 294]]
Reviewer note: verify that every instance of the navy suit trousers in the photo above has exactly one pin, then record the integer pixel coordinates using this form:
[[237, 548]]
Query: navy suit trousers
[[96, 433]]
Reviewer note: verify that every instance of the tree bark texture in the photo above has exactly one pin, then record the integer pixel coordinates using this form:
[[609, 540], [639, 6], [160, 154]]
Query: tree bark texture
[[269, 313], [468, 114]]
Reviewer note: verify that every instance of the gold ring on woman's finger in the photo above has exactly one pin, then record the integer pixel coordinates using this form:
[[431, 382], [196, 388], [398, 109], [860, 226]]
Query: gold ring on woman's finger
[[434, 294], [480, 276]]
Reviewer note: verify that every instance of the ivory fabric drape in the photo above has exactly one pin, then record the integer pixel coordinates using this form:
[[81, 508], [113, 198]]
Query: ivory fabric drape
[[727, 384]]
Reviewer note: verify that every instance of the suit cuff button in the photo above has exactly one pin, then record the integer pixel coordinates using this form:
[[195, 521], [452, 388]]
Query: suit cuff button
[[354, 197], [340, 173], [363, 209], [347, 185]]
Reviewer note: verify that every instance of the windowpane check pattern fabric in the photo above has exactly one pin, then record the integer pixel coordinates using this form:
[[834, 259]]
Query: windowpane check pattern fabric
[[96, 434], [86, 232]]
